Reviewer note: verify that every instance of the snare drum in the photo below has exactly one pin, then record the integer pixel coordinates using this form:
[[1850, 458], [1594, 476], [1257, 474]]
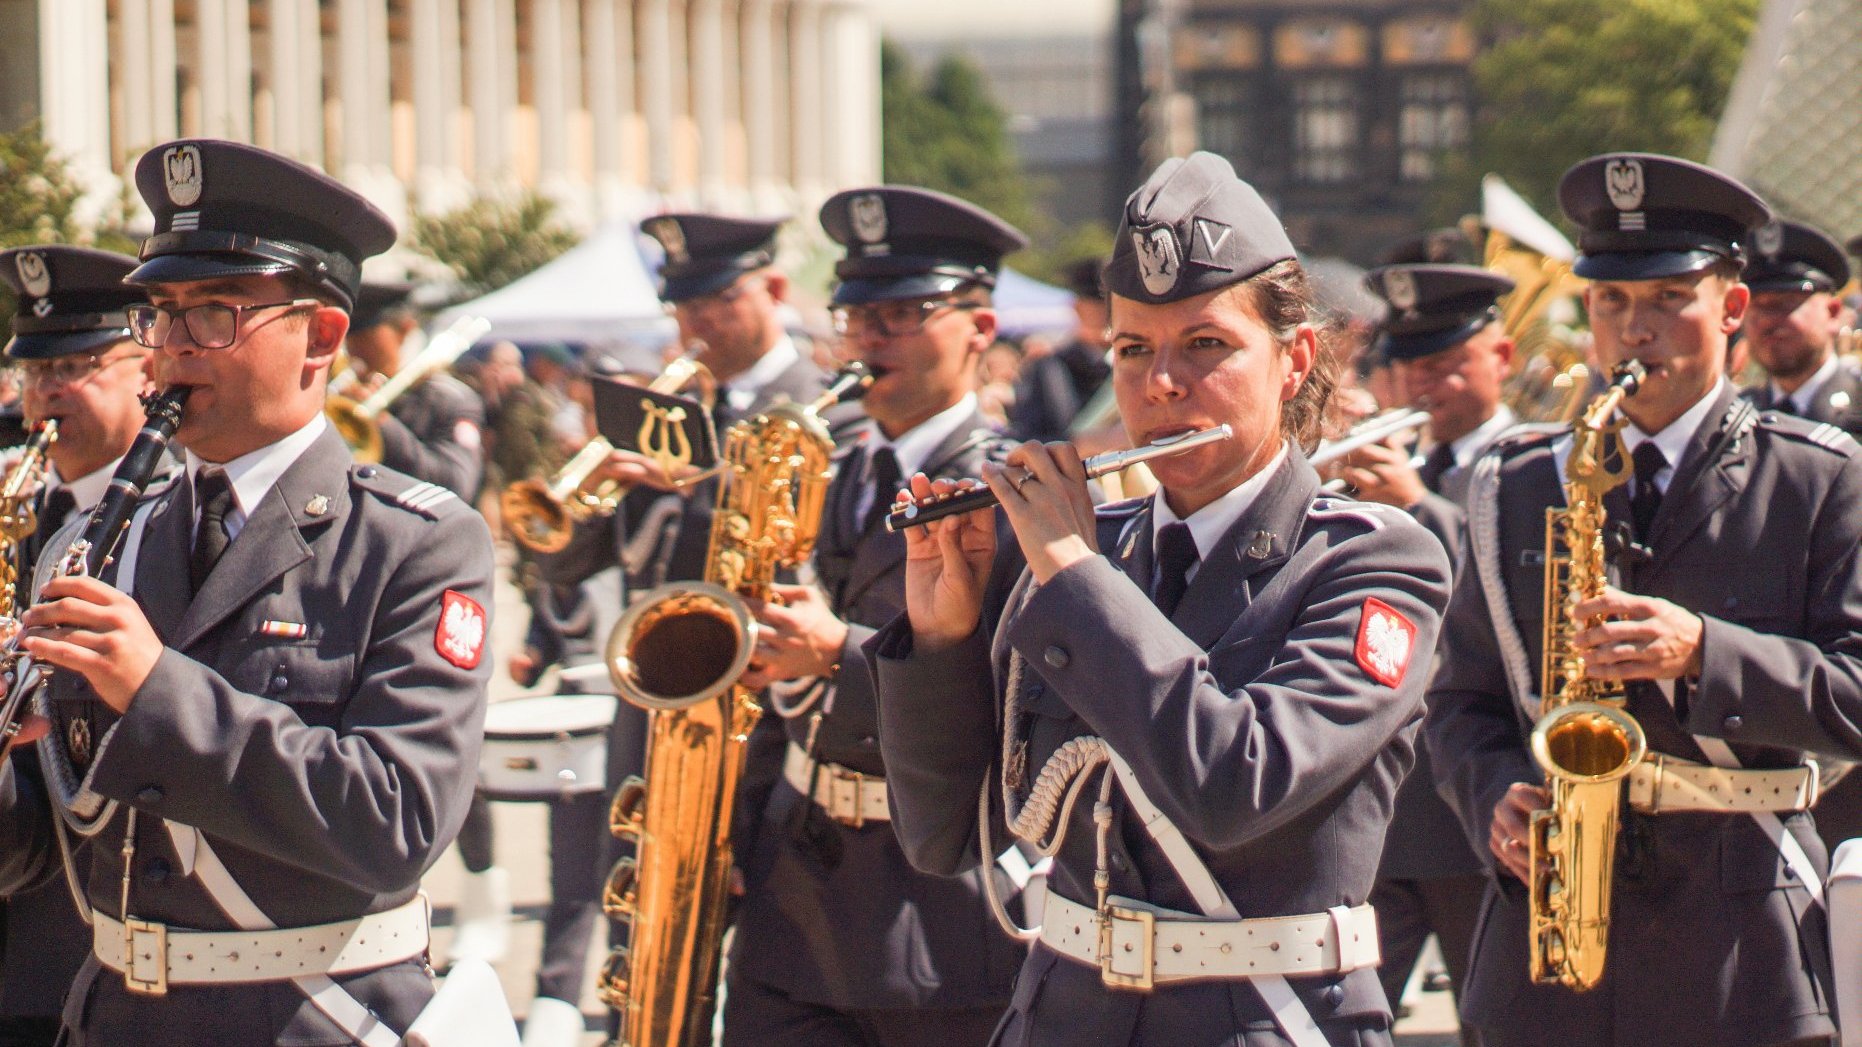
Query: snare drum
[[539, 749]]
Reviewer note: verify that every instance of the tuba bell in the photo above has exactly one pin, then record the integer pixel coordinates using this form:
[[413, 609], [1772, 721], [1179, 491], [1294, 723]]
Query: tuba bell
[[355, 420], [541, 515]]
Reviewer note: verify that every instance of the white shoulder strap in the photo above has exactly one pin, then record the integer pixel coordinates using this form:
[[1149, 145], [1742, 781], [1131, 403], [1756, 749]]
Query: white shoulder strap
[[1483, 515], [1290, 1013], [327, 996]]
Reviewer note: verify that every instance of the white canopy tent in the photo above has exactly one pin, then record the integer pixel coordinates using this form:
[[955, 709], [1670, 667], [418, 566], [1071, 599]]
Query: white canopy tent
[[597, 294]]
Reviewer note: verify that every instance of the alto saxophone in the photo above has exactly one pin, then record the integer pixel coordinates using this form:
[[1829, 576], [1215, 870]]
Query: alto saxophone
[[18, 516], [678, 652], [1584, 741]]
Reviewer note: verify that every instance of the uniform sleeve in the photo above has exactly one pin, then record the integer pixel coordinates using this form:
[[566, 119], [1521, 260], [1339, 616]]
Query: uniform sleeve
[[1441, 518], [937, 733], [1472, 728], [373, 801], [28, 854], [594, 546], [1796, 692], [451, 459], [1231, 760]]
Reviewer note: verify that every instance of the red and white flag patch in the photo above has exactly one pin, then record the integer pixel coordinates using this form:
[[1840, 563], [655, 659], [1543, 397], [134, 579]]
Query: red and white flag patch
[[1385, 641], [460, 637]]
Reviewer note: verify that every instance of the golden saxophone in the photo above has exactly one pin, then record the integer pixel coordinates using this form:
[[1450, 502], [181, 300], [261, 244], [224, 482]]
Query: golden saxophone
[[679, 652], [18, 516], [1584, 741], [541, 515]]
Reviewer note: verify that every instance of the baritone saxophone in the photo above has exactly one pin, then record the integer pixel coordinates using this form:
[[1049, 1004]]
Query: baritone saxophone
[[678, 653], [1584, 741]]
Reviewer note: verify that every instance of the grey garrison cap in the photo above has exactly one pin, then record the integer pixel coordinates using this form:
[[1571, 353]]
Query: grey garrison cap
[[1192, 228]]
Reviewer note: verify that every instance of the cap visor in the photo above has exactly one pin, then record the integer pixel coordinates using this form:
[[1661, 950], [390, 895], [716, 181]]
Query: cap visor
[[193, 268], [921, 285], [1643, 265], [678, 289], [52, 346], [1428, 343]]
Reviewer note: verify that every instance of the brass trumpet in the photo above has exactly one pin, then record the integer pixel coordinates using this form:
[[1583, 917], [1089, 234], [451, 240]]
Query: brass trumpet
[[357, 421], [541, 514]]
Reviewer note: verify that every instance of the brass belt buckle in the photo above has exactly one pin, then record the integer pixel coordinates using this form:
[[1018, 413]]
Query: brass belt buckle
[[856, 820], [1143, 981], [155, 937]]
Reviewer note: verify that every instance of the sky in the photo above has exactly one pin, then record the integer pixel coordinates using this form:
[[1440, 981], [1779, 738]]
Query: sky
[[966, 18]]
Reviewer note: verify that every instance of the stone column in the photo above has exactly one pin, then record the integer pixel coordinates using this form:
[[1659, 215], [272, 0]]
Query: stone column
[[74, 89], [213, 68], [309, 40], [852, 101], [807, 106], [435, 46], [362, 36], [656, 84], [761, 101], [491, 56], [710, 78], [138, 96]]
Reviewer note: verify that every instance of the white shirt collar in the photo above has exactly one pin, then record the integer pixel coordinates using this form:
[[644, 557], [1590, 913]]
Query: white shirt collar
[[87, 490], [1806, 394], [1212, 521], [741, 391], [915, 445], [1674, 439], [1472, 444], [254, 472]]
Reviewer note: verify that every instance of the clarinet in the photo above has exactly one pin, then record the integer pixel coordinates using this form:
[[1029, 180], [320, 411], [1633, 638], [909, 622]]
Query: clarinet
[[97, 546]]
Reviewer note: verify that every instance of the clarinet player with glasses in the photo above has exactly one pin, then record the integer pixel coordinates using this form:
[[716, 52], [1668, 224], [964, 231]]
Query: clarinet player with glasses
[[1201, 702], [279, 680]]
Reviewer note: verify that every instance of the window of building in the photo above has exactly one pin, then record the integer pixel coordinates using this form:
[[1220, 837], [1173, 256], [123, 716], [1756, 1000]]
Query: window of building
[[1325, 130], [1432, 119], [1222, 120]]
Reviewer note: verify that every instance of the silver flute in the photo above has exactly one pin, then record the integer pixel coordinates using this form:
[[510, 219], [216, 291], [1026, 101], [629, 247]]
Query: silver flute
[[936, 507]]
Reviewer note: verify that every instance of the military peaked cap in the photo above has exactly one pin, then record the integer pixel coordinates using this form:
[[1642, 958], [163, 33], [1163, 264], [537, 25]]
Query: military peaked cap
[[376, 301], [71, 299], [704, 253], [1792, 256], [907, 242], [1645, 217], [1434, 307], [225, 209]]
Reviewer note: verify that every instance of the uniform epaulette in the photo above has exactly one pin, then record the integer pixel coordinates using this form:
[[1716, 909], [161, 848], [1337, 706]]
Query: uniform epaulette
[[1829, 437], [1375, 514], [416, 496], [1121, 509], [1525, 437]]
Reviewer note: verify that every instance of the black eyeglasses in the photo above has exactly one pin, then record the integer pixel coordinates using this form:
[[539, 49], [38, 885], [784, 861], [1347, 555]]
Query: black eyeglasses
[[891, 319], [210, 325]]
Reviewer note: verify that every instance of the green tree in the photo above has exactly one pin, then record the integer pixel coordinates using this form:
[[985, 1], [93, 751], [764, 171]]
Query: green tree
[[1565, 79], [944, 131], [40, 204], [491, 242]]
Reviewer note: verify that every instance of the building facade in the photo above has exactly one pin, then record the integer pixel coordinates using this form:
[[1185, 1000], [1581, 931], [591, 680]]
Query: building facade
[[1340, 111], [612, 107]]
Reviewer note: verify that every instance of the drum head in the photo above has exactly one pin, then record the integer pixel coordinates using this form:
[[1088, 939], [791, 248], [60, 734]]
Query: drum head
[[550, 716]]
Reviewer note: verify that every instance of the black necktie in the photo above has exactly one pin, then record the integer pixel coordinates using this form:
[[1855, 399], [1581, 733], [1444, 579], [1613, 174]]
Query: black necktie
[[1439, 462], [58, 508], [1176, 554], [213, 492], [885, 470], [1647, 497], [1785, 405]]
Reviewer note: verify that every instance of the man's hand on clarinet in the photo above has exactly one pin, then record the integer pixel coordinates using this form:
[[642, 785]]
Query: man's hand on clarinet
[[89, 628]]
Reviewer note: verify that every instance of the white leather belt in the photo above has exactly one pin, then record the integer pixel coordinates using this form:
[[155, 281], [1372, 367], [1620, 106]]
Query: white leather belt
[[1668, 784], [1143, 946], [162, 955], [847, 796]]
